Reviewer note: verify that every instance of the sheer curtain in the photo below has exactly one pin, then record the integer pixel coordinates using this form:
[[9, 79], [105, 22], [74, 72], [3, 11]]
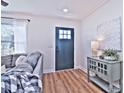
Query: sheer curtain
[[13, 36]]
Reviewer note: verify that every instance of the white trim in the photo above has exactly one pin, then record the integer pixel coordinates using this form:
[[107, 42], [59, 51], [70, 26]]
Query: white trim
[[48, 70], [81, 67]]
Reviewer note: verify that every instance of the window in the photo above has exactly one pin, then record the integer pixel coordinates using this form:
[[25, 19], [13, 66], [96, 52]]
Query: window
[[64, 34], [13, 36]]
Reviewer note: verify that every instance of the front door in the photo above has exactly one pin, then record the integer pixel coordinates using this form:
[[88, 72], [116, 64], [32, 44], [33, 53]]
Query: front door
[[64, 48]]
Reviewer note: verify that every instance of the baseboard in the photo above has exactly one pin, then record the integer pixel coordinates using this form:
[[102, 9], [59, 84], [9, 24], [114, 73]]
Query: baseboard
[[84, 69], [48, 70], [77, 67], [80, 67]]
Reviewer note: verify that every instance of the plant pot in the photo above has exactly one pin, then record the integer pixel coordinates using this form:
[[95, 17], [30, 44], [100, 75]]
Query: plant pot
[[110, 58]]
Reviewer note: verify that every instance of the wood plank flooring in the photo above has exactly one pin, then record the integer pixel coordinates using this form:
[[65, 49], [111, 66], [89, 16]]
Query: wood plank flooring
[[68, 81]]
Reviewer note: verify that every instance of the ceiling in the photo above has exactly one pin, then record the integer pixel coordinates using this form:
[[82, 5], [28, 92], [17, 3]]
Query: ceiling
[[78, 9]]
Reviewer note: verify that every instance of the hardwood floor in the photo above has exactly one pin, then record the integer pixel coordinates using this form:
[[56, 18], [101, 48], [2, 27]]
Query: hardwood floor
[[68, 81]]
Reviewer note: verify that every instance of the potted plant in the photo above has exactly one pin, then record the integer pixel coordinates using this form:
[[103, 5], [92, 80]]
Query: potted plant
[[110, 54]]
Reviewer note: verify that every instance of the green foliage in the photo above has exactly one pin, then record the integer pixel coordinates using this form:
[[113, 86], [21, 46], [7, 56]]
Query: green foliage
[[111, 52]]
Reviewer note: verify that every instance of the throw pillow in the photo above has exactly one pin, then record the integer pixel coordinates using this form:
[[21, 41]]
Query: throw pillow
[[3, 69], [20, 60], [33, 58]]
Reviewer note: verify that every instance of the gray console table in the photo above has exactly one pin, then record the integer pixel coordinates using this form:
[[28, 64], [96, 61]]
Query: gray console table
[[106, 73]]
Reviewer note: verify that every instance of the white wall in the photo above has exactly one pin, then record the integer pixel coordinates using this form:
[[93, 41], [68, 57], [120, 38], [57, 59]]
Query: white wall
[[41, 37], [111, 10]]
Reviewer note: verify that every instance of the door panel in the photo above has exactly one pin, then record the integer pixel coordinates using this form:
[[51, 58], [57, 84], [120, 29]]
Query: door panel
[[64, 48]]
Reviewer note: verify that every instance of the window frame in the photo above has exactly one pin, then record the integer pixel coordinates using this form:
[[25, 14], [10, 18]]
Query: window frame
[[26, 34]]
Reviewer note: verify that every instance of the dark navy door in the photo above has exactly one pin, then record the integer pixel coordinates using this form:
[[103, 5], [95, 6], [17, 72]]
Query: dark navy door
[[64, 48]]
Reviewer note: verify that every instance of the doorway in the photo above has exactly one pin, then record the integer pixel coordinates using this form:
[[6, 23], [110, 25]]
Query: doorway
[[64, 48]]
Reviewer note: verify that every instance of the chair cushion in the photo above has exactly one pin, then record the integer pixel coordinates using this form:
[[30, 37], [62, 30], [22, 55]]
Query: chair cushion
[[39, 68], [33, 58]]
